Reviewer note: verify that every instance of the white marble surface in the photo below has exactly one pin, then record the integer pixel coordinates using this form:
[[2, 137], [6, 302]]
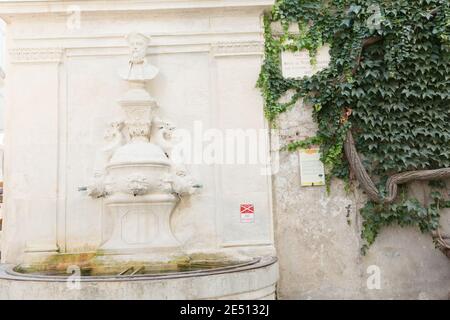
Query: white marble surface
[[63, 91]]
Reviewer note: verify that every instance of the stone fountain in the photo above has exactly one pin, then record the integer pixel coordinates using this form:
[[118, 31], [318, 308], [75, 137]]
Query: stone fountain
[[129, 218], [135, 174]]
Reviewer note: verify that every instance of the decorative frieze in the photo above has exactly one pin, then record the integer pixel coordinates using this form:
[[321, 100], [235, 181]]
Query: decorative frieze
[[33, 55], [237, 48], [30, 55]]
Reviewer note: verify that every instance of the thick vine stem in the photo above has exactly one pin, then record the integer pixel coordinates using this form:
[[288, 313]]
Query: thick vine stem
[[441, 241], [358, 168], [370, 41], [419, 175], [369, 187]]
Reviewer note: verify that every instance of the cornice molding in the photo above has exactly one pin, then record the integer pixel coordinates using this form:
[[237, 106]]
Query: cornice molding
[[14, 7], [237, 48]]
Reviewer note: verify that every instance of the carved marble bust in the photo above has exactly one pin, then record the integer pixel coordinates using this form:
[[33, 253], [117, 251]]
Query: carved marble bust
[[138, 69]]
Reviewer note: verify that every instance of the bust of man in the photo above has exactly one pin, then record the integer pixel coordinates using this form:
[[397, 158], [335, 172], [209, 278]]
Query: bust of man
[[138, 69]]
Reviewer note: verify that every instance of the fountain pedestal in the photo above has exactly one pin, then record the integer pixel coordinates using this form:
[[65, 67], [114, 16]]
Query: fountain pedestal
[[137, 181], [141, 226]]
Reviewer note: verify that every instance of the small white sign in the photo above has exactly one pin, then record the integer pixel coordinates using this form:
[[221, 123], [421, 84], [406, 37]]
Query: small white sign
[[312, 171], [247, 213], [296, 64]]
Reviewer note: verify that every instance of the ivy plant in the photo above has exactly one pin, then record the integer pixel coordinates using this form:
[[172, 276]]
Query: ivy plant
[[387, 81]]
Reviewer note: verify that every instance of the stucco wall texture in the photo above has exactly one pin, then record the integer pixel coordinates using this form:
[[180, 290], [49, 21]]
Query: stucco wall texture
[[318, 238]]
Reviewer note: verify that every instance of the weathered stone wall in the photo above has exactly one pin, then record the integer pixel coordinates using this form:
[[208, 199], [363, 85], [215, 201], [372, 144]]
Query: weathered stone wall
[[318, 238]]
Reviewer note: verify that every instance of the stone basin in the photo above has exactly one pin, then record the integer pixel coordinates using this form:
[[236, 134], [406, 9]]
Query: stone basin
[[198, 279], [92, 265]]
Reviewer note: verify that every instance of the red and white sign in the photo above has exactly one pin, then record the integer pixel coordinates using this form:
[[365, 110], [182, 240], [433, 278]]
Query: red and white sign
[[247, 213]]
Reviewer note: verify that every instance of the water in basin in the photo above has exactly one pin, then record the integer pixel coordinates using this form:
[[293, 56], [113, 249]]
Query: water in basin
[[87, 267]]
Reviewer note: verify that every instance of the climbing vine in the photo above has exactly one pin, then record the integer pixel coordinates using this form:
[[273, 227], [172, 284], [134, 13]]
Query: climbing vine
[[385, 94]]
